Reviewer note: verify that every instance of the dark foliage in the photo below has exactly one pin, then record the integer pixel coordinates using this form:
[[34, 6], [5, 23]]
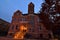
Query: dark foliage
[[50, 16]]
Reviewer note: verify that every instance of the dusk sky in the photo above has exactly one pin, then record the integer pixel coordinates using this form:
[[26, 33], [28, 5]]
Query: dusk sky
[[8, 7]]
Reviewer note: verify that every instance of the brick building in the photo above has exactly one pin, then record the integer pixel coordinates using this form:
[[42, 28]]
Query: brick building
[[4, 26], [30, 22]]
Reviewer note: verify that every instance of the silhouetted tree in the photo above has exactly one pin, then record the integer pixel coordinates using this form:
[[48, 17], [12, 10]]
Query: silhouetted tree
[[50, 15]]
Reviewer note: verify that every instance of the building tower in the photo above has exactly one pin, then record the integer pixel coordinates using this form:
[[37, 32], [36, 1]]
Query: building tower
[[31, 8], [28, 26]]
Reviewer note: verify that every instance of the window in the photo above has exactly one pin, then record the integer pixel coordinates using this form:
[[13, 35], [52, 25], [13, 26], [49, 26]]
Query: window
[[23, 19], [24, 30], [32, 23], [31, 29], [11, 34], [39, 28], [32, 20], [32, 17], [38, 20], [14, 19], [16, 26]]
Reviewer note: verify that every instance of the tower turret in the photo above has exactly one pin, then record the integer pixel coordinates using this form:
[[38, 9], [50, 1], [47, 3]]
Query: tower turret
[[31, 8]]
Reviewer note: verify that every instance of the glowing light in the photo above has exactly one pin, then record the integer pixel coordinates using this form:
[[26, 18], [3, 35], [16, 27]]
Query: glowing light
[[23, 28], [21, 33]]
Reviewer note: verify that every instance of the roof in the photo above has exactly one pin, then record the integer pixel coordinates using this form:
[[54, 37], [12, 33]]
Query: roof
[[31, 3], [3, 21]]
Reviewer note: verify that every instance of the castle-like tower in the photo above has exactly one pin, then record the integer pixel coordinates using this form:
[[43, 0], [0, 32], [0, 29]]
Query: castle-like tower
[[28, 25], [31, 8]]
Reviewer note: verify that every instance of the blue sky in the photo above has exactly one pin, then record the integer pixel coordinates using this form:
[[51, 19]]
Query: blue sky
[[8, 7]]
